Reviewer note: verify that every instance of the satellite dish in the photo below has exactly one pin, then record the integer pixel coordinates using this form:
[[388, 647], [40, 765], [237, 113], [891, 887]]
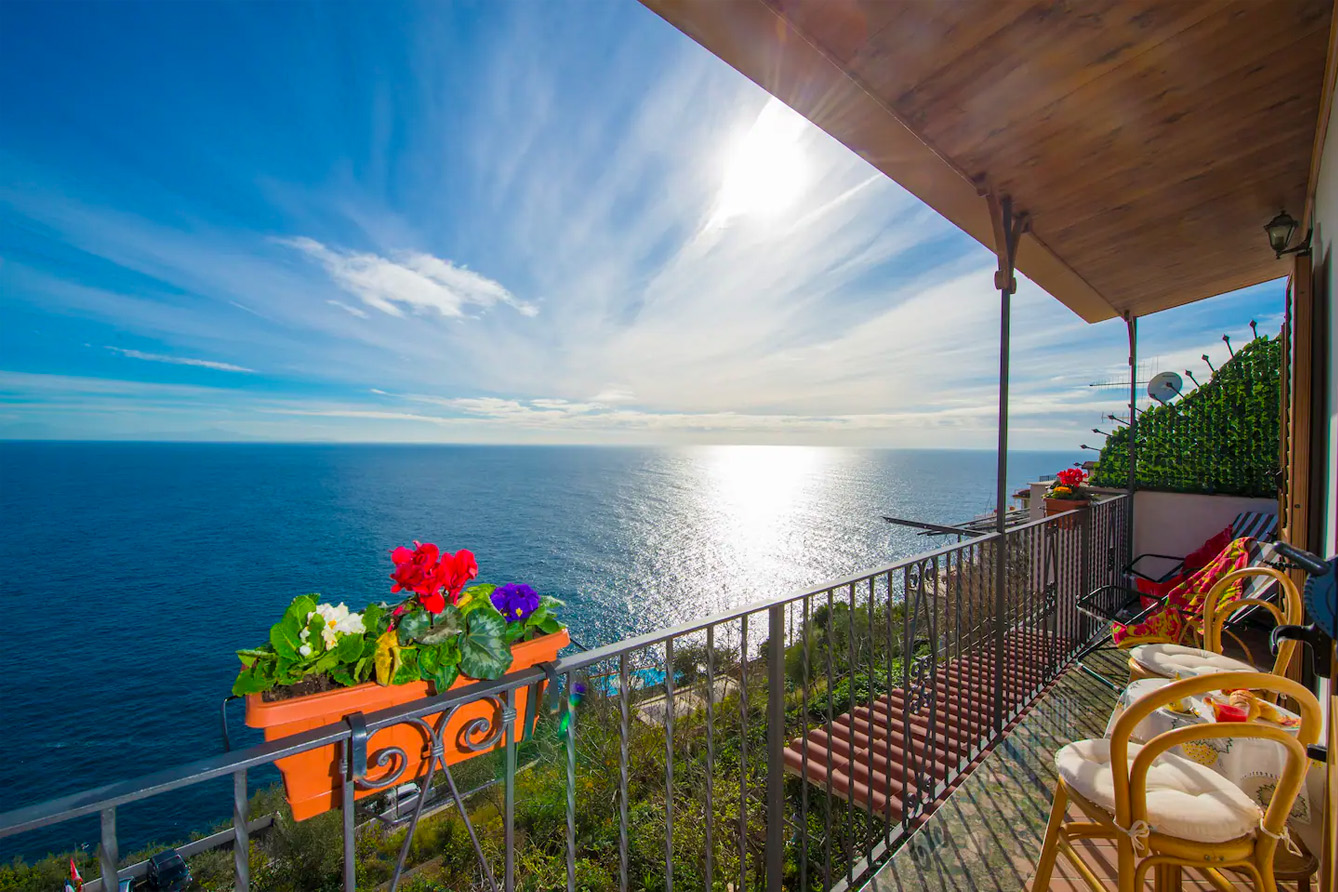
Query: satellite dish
[[1165, 387]]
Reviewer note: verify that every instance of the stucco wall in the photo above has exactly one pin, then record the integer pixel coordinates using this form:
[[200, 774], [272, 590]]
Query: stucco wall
[[1177, 523]]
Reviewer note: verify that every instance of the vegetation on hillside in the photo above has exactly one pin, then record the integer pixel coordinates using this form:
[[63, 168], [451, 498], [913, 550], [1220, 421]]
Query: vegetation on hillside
[[307, 856]]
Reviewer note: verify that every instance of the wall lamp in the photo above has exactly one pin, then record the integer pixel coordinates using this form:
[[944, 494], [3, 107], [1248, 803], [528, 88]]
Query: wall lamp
[[1280, 230]]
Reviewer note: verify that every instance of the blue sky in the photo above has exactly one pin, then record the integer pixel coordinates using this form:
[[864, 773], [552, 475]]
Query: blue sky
[[490, 222]]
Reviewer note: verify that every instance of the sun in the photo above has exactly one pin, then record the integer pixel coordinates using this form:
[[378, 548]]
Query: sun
[[765, 169]]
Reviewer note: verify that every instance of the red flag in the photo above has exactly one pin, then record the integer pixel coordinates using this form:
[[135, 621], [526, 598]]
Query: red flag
[[77, 880]]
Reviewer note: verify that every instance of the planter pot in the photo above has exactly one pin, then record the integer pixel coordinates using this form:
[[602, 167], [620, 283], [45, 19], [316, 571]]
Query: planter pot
[[1066, 506], [311, 780]]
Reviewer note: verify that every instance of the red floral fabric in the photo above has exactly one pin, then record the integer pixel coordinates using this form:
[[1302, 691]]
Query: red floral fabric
[[1184, 601]]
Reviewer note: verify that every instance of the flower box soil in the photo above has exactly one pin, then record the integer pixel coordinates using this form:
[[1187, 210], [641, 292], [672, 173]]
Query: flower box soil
[[312, 684]]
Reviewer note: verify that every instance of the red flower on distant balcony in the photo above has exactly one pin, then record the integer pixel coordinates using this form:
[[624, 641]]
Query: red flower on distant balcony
[[1071, 477]]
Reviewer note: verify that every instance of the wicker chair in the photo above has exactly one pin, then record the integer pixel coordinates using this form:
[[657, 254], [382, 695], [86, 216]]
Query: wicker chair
[[1165, 812], [1170, 660]]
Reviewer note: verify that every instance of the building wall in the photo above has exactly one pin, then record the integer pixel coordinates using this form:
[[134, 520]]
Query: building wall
[[1177, 523], [1325, 256]]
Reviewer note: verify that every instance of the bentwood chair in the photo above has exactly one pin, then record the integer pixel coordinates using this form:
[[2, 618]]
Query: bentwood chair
[[1170, 660], [1165, 812]]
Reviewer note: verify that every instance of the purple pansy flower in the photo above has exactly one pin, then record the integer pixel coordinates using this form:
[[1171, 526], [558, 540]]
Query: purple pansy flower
[[515, 601]]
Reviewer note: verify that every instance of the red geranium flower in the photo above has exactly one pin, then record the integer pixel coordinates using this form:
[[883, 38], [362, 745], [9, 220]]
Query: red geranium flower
[[1074, 477], [426, 572], [414, 569], [454, 570]]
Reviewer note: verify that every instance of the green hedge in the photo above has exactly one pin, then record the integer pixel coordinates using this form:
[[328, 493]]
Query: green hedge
[[1221, 438]]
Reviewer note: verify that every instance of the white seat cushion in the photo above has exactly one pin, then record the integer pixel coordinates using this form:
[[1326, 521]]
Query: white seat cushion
[[1169, 660], [1185, 799]]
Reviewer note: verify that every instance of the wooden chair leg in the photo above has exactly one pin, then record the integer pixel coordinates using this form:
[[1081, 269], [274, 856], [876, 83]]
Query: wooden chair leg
[[1131, 875], [1050, 848], [1168, 878]]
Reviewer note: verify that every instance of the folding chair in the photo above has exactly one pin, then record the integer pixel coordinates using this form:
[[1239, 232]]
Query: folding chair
[[1127, 605]]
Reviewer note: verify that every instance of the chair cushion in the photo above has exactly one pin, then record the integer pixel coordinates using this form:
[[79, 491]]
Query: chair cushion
[[1168, 660], [1185, 799]]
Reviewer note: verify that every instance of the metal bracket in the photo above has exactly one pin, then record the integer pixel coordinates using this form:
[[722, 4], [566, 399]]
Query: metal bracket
[[355, 766]]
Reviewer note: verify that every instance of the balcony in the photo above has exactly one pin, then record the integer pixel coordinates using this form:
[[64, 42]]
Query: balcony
[[710, 756]]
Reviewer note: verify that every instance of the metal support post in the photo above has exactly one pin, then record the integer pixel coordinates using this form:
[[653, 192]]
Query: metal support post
[[775, 851], [1008, 229], [1131, 323]]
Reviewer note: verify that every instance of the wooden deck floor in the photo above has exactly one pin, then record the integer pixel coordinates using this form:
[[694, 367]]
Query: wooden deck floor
[[986, 835]]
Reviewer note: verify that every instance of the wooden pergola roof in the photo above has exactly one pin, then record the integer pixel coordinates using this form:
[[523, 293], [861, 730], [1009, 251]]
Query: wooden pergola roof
[[1148, 140]]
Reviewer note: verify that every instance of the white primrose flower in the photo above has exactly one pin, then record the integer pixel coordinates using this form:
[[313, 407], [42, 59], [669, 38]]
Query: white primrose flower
[[305, 650], [338, 621]]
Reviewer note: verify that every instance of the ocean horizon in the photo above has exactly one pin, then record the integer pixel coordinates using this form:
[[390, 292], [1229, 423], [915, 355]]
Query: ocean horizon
[[142, 566]]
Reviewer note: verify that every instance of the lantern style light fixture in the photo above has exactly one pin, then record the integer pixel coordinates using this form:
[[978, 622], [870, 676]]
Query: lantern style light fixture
[[1280, 230]]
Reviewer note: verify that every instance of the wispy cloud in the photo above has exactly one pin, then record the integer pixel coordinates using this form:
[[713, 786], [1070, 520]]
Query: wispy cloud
[[567, 234], [181, 360], [411, 280], [351, 310]]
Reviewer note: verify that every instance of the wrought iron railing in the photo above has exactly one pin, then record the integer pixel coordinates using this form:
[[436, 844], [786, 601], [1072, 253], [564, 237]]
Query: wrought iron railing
[[682, 755]]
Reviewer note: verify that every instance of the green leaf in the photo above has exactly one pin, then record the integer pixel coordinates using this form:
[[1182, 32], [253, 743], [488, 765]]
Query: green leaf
[[288, 672], [544, 619], [250, 655], [445, 627], [254, 679], [515, 630], [483, 649], [440, 664], [344, 675], [372, 615], [348, 649], [407, 670], [444, 677], [413, 624], [285, 636], [476, 596], [363, 669], [376, 618], [315, 632]]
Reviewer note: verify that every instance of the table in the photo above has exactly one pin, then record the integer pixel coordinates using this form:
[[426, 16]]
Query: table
[[1252, 764]]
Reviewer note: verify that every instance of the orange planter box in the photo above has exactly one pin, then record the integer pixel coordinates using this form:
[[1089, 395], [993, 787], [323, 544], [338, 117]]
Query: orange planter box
[[1065, 506], [311, 779]]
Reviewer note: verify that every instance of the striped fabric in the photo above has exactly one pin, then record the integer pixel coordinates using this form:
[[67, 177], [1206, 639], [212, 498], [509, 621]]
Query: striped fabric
[[1255, 525]]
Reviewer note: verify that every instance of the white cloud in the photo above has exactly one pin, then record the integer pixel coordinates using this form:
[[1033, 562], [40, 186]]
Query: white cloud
[[411, 280], [353, 311], [613, 394], [181, 360]]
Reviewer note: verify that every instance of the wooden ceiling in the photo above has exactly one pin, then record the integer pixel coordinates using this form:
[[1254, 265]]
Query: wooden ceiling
[[1149, 140]]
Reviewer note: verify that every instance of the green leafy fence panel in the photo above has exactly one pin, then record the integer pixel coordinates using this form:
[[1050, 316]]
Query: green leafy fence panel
[[1221, 438]]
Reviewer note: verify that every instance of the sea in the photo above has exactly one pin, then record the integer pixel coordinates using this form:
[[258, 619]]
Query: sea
[[131, 572]]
